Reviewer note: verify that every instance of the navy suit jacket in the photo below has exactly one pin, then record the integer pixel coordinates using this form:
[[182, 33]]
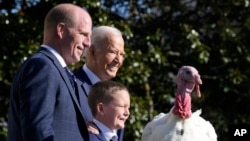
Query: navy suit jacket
[[82, 76], [43, 105]]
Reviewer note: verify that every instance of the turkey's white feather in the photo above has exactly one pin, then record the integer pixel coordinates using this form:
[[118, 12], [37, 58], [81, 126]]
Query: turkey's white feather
[[169, 127]]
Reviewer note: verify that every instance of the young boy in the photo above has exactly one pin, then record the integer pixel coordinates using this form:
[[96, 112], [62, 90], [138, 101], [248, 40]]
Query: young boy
[[109, 102]]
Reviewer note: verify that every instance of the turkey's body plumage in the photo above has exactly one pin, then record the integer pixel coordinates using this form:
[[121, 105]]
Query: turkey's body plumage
[[169, 127]]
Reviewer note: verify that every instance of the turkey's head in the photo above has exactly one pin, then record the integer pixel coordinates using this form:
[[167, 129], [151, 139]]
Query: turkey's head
[[188, 78]]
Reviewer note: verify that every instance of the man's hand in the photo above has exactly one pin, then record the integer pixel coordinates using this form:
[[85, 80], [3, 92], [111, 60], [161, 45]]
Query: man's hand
[[92, 128]]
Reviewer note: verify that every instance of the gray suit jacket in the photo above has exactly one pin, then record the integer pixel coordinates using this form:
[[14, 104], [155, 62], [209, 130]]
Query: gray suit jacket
[[43, 105]]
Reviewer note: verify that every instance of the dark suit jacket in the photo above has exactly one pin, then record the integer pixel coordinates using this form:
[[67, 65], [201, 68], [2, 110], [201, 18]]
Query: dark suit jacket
[[82, 76], [43, 104]]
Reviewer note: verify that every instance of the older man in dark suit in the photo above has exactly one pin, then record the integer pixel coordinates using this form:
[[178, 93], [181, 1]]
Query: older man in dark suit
[[103, 60], [43, 101]]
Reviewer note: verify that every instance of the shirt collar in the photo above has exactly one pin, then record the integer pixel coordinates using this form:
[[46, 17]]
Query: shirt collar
[[57, 55], [108, 134], [93, 78]]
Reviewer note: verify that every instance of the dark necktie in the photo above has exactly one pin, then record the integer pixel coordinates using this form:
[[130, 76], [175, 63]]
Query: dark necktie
[[71, 77], [114, 138], [73, 82]]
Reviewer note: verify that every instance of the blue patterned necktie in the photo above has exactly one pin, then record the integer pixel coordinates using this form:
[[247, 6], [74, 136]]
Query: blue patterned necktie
[[71, 76], [73, 82]]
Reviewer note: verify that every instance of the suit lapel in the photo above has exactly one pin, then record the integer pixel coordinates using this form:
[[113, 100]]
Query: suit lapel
[[100, 136], [81, 74], [62, 73], [83, 93], [120, 134]]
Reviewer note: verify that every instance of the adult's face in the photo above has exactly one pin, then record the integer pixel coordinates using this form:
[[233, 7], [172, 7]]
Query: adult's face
[[76, 37], [109, 57]]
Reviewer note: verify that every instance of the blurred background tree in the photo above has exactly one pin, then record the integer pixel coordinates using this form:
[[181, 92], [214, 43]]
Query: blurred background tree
[[160, 37]]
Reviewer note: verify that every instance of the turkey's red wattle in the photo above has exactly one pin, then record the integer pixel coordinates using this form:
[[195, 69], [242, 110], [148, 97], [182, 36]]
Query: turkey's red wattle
[[182, 106]]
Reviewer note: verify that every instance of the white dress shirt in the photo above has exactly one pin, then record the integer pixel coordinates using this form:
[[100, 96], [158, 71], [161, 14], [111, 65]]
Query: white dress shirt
[[57, 55]]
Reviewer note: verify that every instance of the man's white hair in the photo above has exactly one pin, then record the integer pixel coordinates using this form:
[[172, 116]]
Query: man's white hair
[[99, 33]]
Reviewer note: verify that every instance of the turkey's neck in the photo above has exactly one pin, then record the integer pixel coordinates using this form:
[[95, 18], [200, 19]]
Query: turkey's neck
[[182, 106]]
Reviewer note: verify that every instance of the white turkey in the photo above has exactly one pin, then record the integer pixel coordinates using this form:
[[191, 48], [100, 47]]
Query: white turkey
[[180, 124]]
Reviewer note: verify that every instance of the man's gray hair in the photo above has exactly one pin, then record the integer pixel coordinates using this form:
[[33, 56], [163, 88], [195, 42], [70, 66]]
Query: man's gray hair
[[99, 33]]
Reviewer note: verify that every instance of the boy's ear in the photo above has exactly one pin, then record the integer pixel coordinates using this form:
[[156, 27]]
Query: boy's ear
[[100, 109]]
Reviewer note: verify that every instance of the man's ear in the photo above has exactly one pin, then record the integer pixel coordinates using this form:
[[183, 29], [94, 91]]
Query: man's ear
[[60, 29], [92, 50]]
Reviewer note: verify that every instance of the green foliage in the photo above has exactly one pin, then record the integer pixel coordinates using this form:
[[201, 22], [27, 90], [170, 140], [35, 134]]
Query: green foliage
[[3, 134], [160, 37]]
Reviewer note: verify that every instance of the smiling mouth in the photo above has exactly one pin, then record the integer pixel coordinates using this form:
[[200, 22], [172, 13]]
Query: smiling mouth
[[80, 48], [123, 119], [113, 68]]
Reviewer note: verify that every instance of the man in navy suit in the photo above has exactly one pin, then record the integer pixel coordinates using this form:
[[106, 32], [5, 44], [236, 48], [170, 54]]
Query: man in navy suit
[[103, 60], [43, 103]]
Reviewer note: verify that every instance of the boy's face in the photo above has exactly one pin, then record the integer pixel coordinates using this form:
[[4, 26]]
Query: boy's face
[[117, 112]]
